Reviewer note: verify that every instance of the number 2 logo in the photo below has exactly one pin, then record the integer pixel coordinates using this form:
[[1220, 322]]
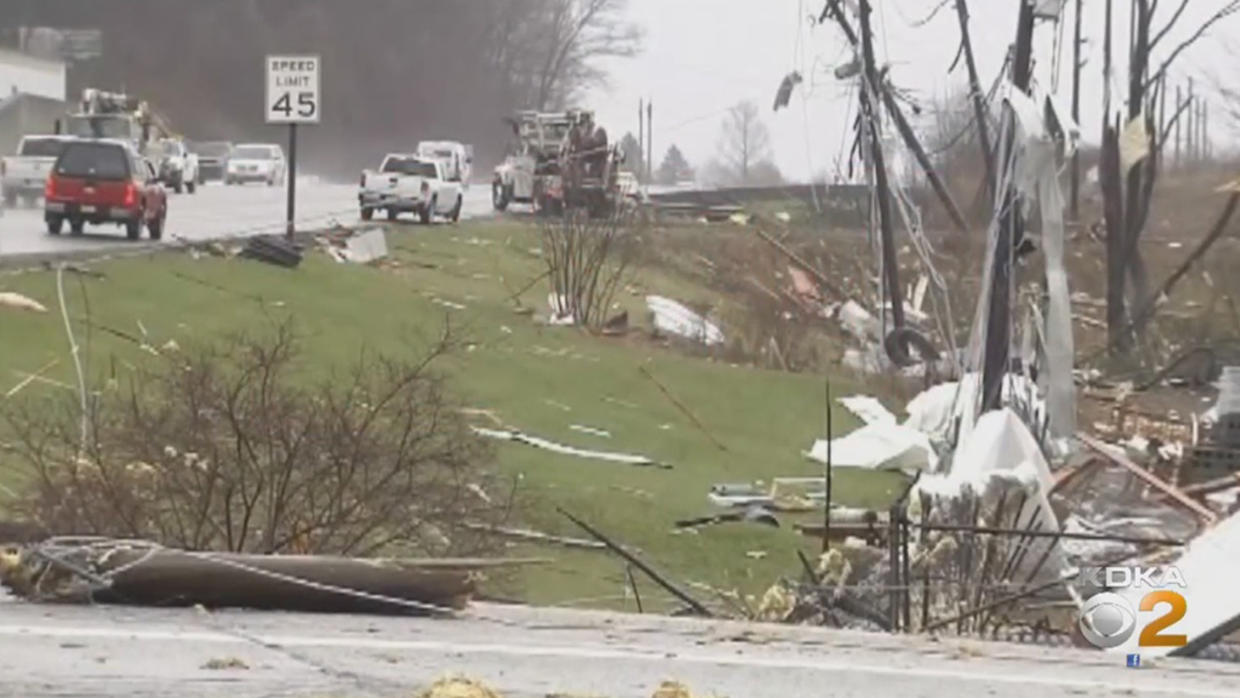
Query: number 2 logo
[[1152, 634]]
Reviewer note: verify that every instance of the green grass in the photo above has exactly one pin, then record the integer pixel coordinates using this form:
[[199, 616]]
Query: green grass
[[539, 379]]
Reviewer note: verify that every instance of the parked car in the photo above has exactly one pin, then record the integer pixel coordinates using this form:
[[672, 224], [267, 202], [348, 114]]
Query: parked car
[[177, 166], [24, 174], [104, 181], [406, 183], [256, 162], [212, 159]]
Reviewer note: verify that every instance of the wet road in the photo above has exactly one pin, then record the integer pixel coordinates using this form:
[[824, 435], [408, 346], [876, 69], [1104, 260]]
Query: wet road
[[100, 651], [214, 211]]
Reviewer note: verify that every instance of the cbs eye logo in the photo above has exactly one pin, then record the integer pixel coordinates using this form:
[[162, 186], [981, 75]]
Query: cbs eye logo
[[1108, 620]]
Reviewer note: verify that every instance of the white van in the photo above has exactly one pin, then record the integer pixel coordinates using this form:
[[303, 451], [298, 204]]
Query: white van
[[457, 158]]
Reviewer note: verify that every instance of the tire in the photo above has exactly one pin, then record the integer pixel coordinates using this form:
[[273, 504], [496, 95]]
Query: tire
[[77, 226], [392, 213], [456, 210], [367, 213], [10, 199], [228, 182], [177, 187], [427, 214], [155, 229], [499, 196], [54, 225], [133, 229], [191, 186]]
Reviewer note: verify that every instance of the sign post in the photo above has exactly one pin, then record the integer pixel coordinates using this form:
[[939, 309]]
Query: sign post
[[293, 97]]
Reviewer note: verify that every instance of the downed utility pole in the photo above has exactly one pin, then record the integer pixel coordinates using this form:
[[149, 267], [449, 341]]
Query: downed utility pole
[[897, 116], [1011, 227]]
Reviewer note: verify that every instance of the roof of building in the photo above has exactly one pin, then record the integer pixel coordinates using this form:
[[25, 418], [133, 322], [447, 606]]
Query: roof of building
[[11, 56]]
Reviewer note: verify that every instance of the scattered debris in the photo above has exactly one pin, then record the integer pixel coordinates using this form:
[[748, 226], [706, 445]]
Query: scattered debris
[[603, 433], [91, 570], [536, 536], [754, 513], [226, 663], [673, 318], [672, 589], [626, 458], [16, 301], [272, 249], [878, 446], [359, 247]]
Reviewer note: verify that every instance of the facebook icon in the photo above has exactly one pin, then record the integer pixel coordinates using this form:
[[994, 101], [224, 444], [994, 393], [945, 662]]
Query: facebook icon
[[1134, 661]]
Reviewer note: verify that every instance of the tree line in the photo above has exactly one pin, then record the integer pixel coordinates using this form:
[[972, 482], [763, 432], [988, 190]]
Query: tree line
[[394, 71]]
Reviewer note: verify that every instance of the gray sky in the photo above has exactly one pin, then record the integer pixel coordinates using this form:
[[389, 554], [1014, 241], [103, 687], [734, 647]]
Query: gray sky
[[703, 55]]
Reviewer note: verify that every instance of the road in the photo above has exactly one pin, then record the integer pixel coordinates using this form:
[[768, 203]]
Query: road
[[525, 653], [214, 211]]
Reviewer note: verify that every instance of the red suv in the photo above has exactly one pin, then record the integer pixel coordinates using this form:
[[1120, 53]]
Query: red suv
[[104, 181]]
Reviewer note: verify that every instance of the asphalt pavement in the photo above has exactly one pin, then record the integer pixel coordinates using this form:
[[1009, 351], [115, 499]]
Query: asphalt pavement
[[526, 652], [214, 211]]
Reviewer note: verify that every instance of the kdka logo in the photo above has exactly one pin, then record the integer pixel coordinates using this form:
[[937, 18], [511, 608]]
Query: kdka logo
[[1108, 619]]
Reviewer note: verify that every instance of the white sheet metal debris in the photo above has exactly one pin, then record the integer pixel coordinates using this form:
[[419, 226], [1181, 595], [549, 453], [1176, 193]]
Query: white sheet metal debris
[[367, 246], [878, 446], [16, 301], [1001, 454], [674, 318], [626, 458], [868, 409]]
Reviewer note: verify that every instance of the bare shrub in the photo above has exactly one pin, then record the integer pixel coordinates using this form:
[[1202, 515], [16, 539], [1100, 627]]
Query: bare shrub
[[587, 257], [227, 446]]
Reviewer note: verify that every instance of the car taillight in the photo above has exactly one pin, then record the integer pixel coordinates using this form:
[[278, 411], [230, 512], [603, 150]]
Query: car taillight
[[49, 189], [425, 187], [131, 194]]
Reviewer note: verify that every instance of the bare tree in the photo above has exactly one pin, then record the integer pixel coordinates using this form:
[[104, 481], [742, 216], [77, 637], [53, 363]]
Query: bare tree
[[744, 141], [1127, 194], [224, 447], [587, 257], [573, 35]]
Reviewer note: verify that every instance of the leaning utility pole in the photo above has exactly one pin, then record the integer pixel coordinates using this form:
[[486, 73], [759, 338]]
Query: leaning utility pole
[[902, 125], [1011, 228], [979, 99], [1075, 200], [891, 270]]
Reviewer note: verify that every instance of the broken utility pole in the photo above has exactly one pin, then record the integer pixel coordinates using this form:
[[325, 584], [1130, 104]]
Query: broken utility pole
[[979, 98], [898, 118], [891, 269], [1075, 198], [1011, 225]]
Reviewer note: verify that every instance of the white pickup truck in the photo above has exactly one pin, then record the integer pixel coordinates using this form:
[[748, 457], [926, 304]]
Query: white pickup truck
[[406, 183], [24, 174]]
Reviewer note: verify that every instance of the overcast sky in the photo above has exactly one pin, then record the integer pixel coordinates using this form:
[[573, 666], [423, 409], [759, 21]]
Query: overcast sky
[[700, 56]]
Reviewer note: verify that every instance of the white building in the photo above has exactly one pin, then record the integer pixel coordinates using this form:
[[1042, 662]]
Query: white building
[[24, 74]]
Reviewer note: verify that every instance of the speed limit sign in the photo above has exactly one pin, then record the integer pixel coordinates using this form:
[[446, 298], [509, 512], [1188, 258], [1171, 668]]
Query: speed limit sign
[[293, 90]]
